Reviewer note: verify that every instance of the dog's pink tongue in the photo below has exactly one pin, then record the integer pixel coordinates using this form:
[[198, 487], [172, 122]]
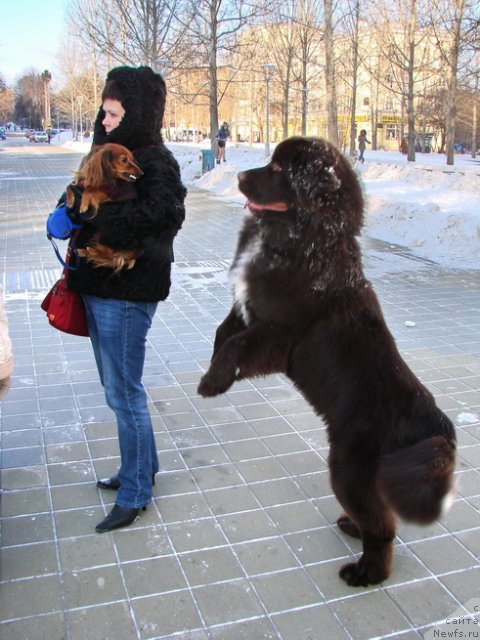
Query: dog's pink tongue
[[271, 206]]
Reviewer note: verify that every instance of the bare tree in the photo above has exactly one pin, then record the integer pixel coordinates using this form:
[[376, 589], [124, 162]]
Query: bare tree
[[350, 62], [29, 100], [451, 22], [309, 36], [408, 55], [209, 31], [278, 47], [7, 101], [128, 31]]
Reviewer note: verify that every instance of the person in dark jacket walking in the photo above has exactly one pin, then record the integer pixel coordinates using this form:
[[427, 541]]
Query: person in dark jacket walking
[[222, 137], [362, 144], [120, 305]]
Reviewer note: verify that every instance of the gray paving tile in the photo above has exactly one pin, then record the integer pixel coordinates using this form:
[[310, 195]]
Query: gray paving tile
[[109, 622], [22, 502], [284, 590], [210, 565], [27, 529], [227, 602], [260, 629], [35, 628], [28, 561], [91, 587], [153, 576], [168, 614], [309, 623], [30, 597], [371, 615], [142, 543], [423, 601], [463, 585], [265, 556], [195, 534]]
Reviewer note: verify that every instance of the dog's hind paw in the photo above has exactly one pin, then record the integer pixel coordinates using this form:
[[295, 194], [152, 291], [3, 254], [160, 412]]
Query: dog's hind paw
[[361, 573]]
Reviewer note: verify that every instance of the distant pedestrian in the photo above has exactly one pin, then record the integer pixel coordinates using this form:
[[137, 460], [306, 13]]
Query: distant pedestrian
[[222, 137], [404, 147], [362, 144]]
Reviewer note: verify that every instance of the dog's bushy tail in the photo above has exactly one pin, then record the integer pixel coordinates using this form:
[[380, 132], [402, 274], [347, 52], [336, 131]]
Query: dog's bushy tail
[[417, 481]]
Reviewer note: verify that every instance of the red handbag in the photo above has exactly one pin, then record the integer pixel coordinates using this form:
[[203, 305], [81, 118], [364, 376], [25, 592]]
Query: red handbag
[[64, 308]]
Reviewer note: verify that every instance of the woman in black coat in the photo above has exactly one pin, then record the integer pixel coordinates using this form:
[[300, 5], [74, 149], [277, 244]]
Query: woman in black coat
[[120, 305]]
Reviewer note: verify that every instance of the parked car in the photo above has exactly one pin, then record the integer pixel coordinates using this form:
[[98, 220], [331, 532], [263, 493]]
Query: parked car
[[2, 135], [39, 136], [189, 135]]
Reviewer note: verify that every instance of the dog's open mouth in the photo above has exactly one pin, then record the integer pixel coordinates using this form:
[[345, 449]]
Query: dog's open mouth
[[131, 177], [269, 206]]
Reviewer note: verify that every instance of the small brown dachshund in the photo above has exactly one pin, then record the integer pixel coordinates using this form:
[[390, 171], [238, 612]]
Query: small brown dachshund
[[104, 175]]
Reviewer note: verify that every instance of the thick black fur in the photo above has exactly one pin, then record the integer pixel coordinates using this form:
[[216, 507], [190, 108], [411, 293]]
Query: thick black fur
[[303, 307], [147, 223]]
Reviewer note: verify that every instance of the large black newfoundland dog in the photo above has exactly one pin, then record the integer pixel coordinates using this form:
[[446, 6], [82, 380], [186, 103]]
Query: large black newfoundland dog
[[303, 307]]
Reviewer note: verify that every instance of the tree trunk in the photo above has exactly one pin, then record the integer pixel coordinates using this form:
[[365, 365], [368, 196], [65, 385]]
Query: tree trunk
[[213, 75], [458, 7], [411, 83], [332, 118], [353, 132], [474, 127]]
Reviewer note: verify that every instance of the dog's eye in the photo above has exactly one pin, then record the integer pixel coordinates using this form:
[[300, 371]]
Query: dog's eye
[[123, 159], [276, 167]]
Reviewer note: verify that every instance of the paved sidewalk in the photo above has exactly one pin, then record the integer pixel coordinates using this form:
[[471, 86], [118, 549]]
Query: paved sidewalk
[[240, 542]]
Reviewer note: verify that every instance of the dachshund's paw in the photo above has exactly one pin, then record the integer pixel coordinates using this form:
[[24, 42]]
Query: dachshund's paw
[[362, 573], [348, 526]]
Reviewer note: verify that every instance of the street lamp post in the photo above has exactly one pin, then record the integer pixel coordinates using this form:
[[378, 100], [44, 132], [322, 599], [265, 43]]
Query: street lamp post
[[267, 69]]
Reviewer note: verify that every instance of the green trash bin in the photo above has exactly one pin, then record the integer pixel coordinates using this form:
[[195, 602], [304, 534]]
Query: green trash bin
[[208, 160]]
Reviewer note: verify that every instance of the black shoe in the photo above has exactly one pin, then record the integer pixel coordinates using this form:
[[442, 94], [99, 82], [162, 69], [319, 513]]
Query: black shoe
[[117, 518], [113, 483]]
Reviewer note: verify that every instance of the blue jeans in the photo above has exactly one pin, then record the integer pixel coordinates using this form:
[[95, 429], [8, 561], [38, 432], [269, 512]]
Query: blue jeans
[[118, 332]]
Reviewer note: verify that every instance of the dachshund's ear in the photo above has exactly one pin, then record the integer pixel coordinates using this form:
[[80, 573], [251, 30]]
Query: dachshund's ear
[[97, 169], [107, 159]]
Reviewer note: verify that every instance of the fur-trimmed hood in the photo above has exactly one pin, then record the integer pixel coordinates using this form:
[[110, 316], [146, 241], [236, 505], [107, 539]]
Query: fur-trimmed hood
[[143, 98]]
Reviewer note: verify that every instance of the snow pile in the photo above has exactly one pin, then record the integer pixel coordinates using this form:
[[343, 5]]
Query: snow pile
[[433, 212]]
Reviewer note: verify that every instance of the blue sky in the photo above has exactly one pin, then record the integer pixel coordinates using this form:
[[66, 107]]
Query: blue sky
[[30, 33]]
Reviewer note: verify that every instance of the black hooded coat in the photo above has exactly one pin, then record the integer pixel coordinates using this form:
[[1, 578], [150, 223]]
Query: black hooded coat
[[151, 220]]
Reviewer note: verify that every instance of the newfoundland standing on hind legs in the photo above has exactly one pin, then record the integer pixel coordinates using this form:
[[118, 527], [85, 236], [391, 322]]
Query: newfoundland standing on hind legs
[[303, 307]]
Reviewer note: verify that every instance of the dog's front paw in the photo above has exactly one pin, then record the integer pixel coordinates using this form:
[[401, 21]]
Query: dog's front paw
[[212, 384]]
